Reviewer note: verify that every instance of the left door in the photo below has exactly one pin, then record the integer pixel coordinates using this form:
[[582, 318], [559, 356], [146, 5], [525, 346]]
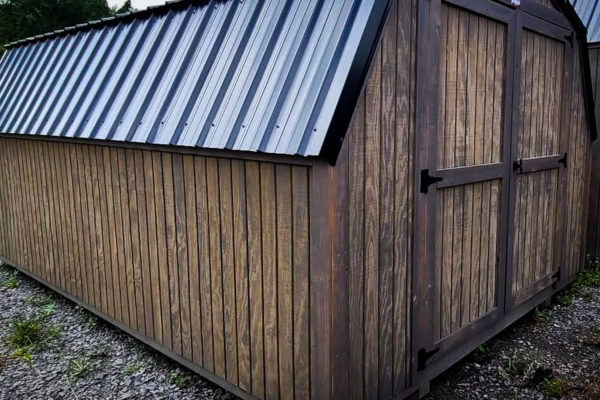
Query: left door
[[465, 179]]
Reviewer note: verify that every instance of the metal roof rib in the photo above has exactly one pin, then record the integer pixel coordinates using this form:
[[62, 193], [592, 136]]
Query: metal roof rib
[[243, 75], [589, 12]]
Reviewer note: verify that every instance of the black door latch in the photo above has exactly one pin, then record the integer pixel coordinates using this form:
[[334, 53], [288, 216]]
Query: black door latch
[[428, 180], [423, 356], [563, 161]]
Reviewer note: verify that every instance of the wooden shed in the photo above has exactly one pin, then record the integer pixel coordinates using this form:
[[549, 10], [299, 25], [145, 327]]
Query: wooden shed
[[589, 12], [303, 199]]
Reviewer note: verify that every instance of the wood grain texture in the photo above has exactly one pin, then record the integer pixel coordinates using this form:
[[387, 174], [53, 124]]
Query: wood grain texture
[[379, 171], [209, 257]]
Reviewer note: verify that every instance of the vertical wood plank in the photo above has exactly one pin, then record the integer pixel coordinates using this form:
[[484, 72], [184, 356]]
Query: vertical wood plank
[[146, 276], [300, 278], [191, 223], [242, 278], [153, 245], [182, 265], [168, 161], [216, 272], [253, 204], [204, 250], [228, 268], [284, 283], [269, 262]]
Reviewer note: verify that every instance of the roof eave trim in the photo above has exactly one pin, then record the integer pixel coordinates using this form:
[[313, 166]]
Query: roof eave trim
[[581, 35], [352, 90]]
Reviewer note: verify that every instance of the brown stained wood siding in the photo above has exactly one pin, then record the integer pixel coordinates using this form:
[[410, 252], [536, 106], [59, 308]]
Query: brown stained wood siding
[[378, 162], [593, 231], [578, 180], [208, 257]]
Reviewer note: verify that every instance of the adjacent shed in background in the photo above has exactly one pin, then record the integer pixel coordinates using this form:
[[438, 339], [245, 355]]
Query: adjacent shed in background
[[589, 11], [241, 185]]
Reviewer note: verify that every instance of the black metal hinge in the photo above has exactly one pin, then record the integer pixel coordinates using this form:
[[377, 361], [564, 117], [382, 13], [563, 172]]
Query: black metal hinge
[[428, 180], [423, 356], [563, 160]]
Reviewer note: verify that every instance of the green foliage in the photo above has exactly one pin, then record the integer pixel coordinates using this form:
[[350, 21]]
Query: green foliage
[[125, 8], [25, 332], [20, 19], [588, 278], [554, 388], [47, 311], [79, 367], [28, 334], [176, 378], [23, 353], [40, 301], [12, 282], [540, 315], [132, 369]]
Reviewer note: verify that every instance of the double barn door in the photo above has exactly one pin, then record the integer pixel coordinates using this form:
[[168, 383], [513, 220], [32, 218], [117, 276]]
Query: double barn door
[[492, 172]]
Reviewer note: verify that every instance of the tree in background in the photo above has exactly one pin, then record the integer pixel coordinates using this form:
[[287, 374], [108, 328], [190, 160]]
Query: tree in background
[[20, 19]]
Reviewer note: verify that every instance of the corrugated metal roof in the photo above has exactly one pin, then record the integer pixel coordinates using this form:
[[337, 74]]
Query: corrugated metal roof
[[589, 12], [248, 75]]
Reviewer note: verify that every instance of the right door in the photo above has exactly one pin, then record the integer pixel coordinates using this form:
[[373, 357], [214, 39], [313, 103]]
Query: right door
[[539, 159]]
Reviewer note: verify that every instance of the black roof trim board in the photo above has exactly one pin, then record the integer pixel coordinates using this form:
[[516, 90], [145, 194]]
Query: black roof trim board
[[581, 35], [356, 81]]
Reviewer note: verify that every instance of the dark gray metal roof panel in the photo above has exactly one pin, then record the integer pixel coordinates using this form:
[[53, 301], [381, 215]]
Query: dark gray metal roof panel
[[589, 12], [248, 75]]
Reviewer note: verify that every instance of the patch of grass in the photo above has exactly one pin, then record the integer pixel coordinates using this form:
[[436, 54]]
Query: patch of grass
[[25, 332], [565, 298], [30, 333], [40, 301], [54, 331], [132, 369], [177, 378], [12, 282], [24, 354], [540, 315], [554, 387], [47, 311], [79, 367]]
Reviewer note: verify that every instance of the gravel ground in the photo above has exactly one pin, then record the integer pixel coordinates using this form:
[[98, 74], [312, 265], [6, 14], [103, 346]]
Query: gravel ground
[[81, 357], [552, 353]]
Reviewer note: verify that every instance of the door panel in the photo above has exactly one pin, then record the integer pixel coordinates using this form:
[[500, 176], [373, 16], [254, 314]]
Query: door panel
[[470, 145], [537, 152], [467, 225]]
